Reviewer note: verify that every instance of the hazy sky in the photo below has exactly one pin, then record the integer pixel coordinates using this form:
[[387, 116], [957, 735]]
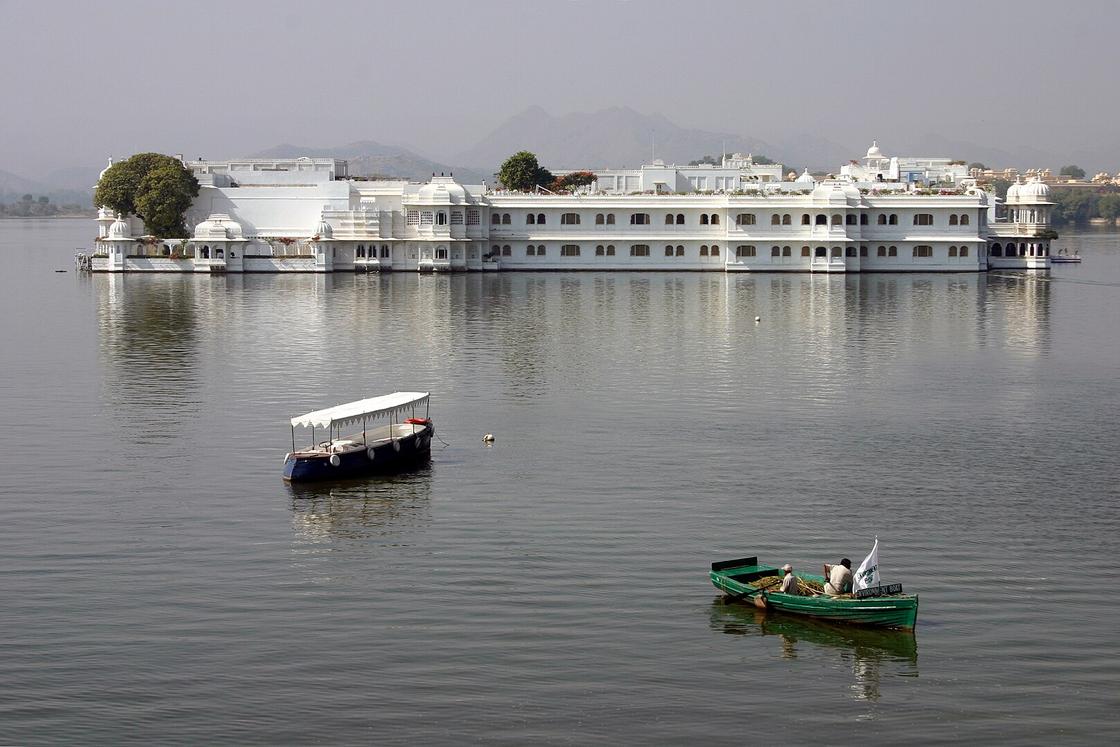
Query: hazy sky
[[85, 80]]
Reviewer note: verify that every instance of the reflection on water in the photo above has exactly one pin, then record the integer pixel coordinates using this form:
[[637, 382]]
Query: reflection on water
[[871, 654], [361, 509]]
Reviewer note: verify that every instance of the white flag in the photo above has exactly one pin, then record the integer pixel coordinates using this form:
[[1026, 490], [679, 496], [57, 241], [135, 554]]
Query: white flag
[[867, 575]]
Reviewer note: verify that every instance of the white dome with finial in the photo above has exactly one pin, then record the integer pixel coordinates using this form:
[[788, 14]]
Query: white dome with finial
[[873, 151], [1013, 192], [805, 178], [217, 227], [323, 230], [1034, 191], [120, 229]]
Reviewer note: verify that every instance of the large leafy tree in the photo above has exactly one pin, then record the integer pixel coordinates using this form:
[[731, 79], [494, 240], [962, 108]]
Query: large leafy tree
[[155, 187], [1074, 171], [523, 172]]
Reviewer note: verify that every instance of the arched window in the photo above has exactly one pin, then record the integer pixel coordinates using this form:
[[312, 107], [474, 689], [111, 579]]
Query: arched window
[[668, 219], [964, 219], [668, 251], [863, 219], [863, 251], [206, 252], [822, 220], [610, 250], [881, 220], [715, 219], [893, 220], [775, 220], [530, 219], [804, 219], [836, 252], [495, 219], [964, 251], [775, 251], [531, 251], [804, 251], [997, 250], [881, 252], [569, 219], [703, 250], [837, 220], [1022, 250], [952, 251], [680, 250], [385, 251], [850, 219], [540, 219], [540, 250], [680, 219], [952, 222], [495, 251], [360, 252], [850, 251], [220, 253], [892, 251], [786, 219], [714, 250], [610, 219], [441, 218], [785, 251], [599, 250], [598, 219], [820, 251], [506, 251], [703, 219], [505, 219]]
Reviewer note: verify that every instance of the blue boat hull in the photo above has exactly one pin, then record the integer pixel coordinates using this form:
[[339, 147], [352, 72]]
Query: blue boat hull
[[408, 452]]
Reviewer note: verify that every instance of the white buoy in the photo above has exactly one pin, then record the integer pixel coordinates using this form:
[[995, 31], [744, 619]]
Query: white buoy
[[757, 319], [488, 438]]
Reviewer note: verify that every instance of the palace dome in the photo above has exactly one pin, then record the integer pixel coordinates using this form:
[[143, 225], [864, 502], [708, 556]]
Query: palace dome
[[323, 230], [805, 178], [442, 190], [217, 227], [120, 229], [873, 151], [1034, 191]]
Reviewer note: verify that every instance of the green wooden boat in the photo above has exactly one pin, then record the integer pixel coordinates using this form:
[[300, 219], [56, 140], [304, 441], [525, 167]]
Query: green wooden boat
[[886, 607]]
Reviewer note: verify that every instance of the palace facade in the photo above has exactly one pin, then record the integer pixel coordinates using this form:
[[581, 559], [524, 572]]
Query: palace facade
[[308, 215]]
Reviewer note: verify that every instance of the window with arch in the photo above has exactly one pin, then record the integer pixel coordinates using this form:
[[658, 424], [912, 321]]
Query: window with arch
[[703, 219], [715, 219], [220, 253], [923, 251], [836, 251], [610, 219], [680, 250], [495, 251], [748, 219], [804, 219], [206, 252], [530, 219], [822, 220], [530, 251], [569, 219], [540, 250], [837, 220], [963, 251], [668, 219], [952, 251], [775, 220], [892, 251], [964, 219], [775, 251], [441, 218], [360, 252], [850, 251], [893, 219], [540, 219], [850, 219], [639, 219], [680, 219], [804, 251], [703, 250], [881, 219], [599, 250], [746, 251], [820, 251], [639, 250], [668, 250], [953, 222], [599, 219], [881, 252], [441, 253], [786, 220], [495, 219], [714, 250], [610, 250], [863, 251], [863, 219], [923, 219], [997, 250], [569, 250], [385, 251], [505, 219], [786, 251]]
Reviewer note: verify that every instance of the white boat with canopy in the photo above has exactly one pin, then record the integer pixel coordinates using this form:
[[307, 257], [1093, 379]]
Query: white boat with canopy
[[404, 442]]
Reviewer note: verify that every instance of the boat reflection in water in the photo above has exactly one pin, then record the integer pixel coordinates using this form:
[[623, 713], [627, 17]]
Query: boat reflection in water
[[870, 653], [361, 509]]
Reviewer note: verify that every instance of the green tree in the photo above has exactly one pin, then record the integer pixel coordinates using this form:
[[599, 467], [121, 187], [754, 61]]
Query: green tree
[[1073, 171], [522, 172], [155, 187], [977, 165], [1108, 206]]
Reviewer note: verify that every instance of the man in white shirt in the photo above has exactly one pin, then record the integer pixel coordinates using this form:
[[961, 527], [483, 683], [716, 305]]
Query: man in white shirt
[[839, 578], [789, 583]]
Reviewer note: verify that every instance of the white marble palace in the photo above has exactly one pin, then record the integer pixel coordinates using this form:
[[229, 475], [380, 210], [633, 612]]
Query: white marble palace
[[879, 214]]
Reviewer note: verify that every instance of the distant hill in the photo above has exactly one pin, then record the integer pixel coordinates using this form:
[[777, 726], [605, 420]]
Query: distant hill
[[615, 137], [370, 158]]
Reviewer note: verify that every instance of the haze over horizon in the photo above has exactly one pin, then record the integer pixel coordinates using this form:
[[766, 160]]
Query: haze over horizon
[[226, 80]]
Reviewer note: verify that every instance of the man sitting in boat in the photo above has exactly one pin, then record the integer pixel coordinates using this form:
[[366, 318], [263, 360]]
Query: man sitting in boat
[[789, 583], [839, 578]]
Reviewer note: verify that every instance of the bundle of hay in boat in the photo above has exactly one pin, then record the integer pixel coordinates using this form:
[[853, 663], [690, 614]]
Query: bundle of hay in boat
[[773, 583]]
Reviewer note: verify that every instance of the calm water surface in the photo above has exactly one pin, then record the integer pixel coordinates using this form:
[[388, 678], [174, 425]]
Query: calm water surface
[[161, 584]]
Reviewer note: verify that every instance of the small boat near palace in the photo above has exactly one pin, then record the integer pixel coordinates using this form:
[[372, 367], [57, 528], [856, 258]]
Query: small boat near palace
[[401, 444], [883, 606], [1064, 257]]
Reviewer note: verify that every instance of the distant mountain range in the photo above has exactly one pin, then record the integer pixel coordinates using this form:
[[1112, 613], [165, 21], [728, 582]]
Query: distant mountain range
[[614, 137]]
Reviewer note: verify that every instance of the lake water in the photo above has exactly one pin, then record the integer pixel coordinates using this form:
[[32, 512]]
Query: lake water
[[161, 584]]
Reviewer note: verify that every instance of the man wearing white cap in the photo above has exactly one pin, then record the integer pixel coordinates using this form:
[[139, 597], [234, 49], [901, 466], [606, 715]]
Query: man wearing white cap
[[789, 583]]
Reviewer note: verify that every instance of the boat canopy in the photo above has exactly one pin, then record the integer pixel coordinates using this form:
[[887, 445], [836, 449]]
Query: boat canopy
[[395, 404]]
